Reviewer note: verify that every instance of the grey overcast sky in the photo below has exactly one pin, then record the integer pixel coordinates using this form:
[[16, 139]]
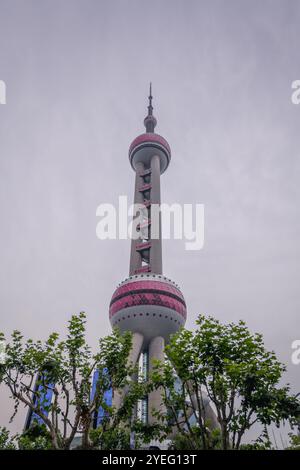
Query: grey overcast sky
[[77, 75]]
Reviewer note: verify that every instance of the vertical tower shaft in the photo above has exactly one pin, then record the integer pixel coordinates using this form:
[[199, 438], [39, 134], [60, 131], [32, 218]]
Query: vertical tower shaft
[[136, 255], [146, 251], [156, 241]]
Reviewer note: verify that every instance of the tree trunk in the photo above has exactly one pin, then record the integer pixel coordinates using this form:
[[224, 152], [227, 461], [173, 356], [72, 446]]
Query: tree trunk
[[54, 440], [224, 432]]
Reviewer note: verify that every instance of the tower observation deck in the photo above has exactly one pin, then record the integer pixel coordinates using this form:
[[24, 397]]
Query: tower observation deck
[[147, 303]]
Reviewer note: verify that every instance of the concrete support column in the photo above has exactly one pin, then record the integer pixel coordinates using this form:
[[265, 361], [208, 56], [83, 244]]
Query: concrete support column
[[135, 257], [206, 410], [155, 398], [137, 343], [156, 244]]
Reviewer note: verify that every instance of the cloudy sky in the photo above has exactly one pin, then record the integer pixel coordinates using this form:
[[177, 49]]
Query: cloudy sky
[[77, 75]]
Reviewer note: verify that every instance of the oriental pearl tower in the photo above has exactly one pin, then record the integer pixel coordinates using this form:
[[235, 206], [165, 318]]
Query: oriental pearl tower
[[147, 303]]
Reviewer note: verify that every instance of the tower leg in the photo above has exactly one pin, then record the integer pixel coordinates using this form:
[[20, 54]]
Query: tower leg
[[137, 342], [155, 399]]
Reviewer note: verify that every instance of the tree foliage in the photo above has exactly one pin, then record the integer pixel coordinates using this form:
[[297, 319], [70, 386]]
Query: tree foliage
[[66, 367], [6, 441], [231, 367]]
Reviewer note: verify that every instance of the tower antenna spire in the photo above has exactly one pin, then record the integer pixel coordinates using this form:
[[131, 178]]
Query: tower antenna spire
[[150, 121], [150, 107]]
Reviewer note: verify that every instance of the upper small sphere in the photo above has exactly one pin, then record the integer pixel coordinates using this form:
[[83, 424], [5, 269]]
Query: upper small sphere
[[150, 123], [145, 146]]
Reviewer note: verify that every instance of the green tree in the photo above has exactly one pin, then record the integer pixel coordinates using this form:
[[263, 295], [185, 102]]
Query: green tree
[[36, 437], [294, 443], [230, 366], [67, 367], [6, 442], [110, 437]]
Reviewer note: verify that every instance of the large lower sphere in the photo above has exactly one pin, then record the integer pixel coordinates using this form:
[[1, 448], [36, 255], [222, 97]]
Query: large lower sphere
[[149, 304]]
